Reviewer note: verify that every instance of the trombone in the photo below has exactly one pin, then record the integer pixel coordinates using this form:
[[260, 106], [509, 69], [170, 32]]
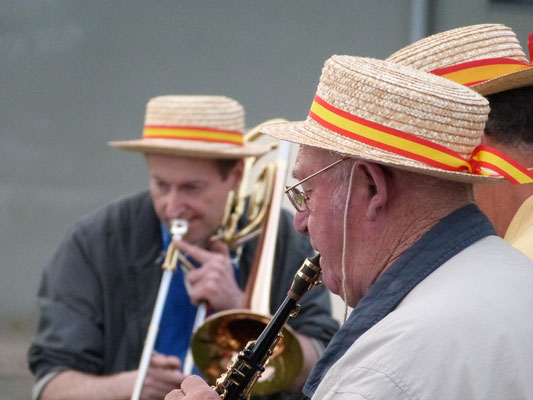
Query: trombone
[[235, 208], [226, 333]]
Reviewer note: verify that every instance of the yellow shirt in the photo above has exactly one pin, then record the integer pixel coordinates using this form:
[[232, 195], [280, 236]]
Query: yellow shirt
[[520, 231]]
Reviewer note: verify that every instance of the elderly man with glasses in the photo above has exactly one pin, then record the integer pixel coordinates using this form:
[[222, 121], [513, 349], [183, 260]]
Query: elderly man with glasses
[[441, 305]]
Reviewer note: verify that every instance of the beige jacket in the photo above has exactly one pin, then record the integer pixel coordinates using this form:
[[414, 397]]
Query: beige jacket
[[520, 231], [465, 332]]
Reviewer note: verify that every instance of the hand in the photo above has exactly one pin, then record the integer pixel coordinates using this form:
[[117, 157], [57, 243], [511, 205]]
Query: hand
[[162, 376], [214, 281], [193, 388]]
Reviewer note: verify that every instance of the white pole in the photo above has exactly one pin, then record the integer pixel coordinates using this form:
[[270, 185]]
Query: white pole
[[178, 229], [152, 334], [198, 321]]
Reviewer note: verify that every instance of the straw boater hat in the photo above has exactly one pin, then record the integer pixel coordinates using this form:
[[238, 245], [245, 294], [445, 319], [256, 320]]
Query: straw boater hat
[[394, 115], [488, 58], [194, 126]]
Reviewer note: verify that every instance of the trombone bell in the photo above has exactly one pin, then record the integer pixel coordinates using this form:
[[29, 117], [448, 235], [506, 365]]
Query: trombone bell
[[225, 334]]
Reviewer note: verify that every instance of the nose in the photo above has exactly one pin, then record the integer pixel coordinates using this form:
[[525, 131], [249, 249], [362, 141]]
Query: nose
[[175, 205], [300, 222]]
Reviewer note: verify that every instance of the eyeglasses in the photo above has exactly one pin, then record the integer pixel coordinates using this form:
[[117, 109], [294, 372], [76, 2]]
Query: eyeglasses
[[297, 197]]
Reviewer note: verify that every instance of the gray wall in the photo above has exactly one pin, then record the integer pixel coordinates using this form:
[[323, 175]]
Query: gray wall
[[75, 74]]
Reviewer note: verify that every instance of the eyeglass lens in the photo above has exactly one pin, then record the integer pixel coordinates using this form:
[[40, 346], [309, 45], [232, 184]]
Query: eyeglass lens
[[298, 199]]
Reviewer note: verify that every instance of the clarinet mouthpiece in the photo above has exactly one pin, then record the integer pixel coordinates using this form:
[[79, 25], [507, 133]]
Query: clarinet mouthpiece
[[305, 278]]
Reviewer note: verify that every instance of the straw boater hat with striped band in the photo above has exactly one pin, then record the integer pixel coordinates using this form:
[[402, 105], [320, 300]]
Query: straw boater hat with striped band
[[398, 116], [194, 126], [488, 58]]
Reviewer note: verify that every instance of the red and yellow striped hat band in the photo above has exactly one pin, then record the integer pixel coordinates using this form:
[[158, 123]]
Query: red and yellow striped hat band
[[475, 72], [484, 160], [196, 133]]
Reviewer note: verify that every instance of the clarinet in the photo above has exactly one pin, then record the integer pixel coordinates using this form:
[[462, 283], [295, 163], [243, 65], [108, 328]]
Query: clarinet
[[237, 383]]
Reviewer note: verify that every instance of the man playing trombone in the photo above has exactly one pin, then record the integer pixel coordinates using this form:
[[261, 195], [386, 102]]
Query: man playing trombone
[[98, 290]]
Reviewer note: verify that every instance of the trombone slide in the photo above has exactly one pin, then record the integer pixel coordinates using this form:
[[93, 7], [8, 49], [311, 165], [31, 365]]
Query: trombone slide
[[198, 321], [178, 229], [153, 329]]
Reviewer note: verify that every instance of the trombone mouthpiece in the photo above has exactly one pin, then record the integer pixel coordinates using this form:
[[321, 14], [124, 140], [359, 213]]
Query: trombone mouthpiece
[[178, 228]]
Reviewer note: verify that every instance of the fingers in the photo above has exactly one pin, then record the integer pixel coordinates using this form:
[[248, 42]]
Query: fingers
[[164, 378], [192, 382], [195, 387], [159, 360], [218, 246], [176, 394], [159, 381], [217, 267], [220, 294], [202, 255], [214, 281]]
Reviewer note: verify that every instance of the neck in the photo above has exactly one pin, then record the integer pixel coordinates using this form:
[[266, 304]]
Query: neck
[[409, 230], [411, 214]]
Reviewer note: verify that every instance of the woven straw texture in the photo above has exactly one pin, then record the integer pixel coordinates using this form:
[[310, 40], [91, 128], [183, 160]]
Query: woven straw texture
[[470, 43], [218, 112], [397, 97]]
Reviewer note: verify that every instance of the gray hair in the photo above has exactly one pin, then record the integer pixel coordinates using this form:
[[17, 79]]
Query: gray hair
[[428, 186]]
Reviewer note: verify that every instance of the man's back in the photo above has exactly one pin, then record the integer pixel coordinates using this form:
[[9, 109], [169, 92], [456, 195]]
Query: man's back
[[459, 334]]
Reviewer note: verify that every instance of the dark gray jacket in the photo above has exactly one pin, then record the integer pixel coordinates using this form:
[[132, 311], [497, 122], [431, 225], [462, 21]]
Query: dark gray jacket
[[98, 291]]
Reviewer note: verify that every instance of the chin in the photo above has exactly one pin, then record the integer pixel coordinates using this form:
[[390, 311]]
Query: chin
[[192, 235], [331, 283], [195, 240]]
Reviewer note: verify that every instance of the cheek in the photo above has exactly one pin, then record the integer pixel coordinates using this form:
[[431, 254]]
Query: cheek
[[330, 279], [326, 227], [209, 209], [326, 236]]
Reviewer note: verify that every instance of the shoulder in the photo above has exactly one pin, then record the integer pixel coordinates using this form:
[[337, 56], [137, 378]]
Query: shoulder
[[486, 278], [117, 215], [127, 225], [470, 314], [347, 380]]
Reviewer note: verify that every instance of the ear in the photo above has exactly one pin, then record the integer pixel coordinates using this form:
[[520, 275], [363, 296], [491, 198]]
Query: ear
[[372, 183]]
